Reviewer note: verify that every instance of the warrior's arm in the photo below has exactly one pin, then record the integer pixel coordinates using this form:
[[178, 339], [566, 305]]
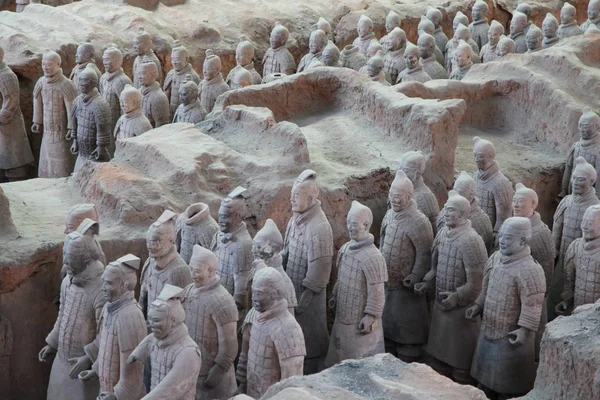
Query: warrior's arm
[[180, 379], [566, 179], [293, 366], [228, 345], [570, 270], [474, 261], [503, 200], [243, 360], [480, 301], [531, 292], [161, 111], [9, 91], [423, 244], [52, 338]]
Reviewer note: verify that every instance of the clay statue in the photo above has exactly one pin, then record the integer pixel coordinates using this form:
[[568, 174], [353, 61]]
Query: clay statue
[[461, 18], [364, 28], [244, 57], [325, 26], [77, 214], [587, 147], [494, 190], [374, 48], [374, 69], [358, 295], [566, 226], [307, 258], [15, 153], [393, 61], [511, 304], [568, 22], [74, 336], [458, 259], [329, 58], [155, 102], [142, 47], [431, 66], [122, 327], [164, 265], [405, 243], [593, 14], [212, 85], [462, 60], [316, 44], [195, 226], [479, 27], [460, 33], [84, 57], [550, 29], [273, 347], [278, 58], [525, 9], [505, 46], [244, 78], [466, 187], [435, 16], [352, 58], [534, 38], [233, 246], [169, 353], [90, 122], [175, 77], [190, 109], [426, 26], [392, 21], [518, 26], [133, 122], [582, 265], [414, 69], [53, 98], [488, 51], [211, 318]]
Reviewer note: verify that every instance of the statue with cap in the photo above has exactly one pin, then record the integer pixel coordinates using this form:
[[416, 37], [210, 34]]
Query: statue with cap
[[393, 62], [169, 353], [364, 28], [325, 26], [374, 69], [15, 152], [244, 58], [458, 259], [278, 58], [232, 245], [358, 295], [518, 27], [74, 338], [534, 39], [405, 242], [525, 9], [244, 78], [329, 58], [84, 57], [461, 33], [510, 303], [352, 58], [190, 108], [568, 22], [53, 97], [587, 147], [566, 225], [133, 122], [462, 61], [392, 21], [550, 28], [164, 265], [211, 318], [178, 75], [316, 45], [155, 102], [307, 259], [195, 226], [274, 349], [414, 69], [505, 46], [488, 51], [465, 186], [436, 16], [593, 15], [142, 47], [212, 85], [90, 122], [426, 27], [479, 27], [121, 328], [431, 66]]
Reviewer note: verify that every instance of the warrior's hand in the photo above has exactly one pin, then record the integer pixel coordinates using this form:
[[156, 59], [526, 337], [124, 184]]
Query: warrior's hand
[[37, 128], [131, 359], [520, 335], [86, 375], [241, 389], [449, 299], [422, 287], [46, 352], [473, 311], [101, 154], [74, 148], [215, 375], [79, 364], [332, 303], [410, 281], [106, 396], [367, 323], [562, 308], [305, 300], [69, 135]]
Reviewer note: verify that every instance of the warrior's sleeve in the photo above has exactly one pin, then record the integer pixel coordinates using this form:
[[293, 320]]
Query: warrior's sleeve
[[290, 347], [226, 317], [338, 267], [69, 93], [422, 239], [474, 259], [38, 104], [103, 127], [532, 289], [546, 259], [503, 198], [52, 338], [73, 118], [161, 112], [570, 271], [143, 299], [243, 268], [131, 331], [176, 114], [242, 365], [9, 90], [320, 254], [383, 229], [118, 127], [285, 251], [179, 225], [430, 276], [168, 83], [181, 379], [565, 187], [288, 63], [480, 301], [91, 349], [440, 223], [559, 219], [376, 275]]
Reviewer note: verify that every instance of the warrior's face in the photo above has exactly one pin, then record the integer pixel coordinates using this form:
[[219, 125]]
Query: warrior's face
[[277, 39], [358, 228], [483, 159], [494, 36], [74, 260], [411, 169], [461, 58], [50, 66], [502, 50], [411, 59], [517, 25], [210, 70], [158, 241], [587, 130], [148, 75], [179, 59], [263, 295], [302, 198], [590, 225], [128, 104], [399, 198], [510, 242], [243, 55], [453, 215], [363, 28], [202, 273], [229, 219], [141, 45], [566, 16], [86, 84], [113, 286], [158, 321], [73, 223], [111, 62], [478, 13], [262, 249], [593, 9], [522, 206], [187, 95], [549, 29], [581, 183], [82, 56]]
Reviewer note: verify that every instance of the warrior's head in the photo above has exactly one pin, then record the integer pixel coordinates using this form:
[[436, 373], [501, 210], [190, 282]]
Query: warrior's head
[[359, 220], [304, 191], [267, 289], [203, 265], [401, 192], [232, 210], [456, 210], [514, 235], [268, 241], [120, 277], [112, 59], [166, 312], [525, 201], [484, 153], [161, 235]]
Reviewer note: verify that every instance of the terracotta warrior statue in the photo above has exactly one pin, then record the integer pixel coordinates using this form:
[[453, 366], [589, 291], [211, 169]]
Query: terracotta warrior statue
[[431, 66], [479, 27], [278, 58], [435, 16], [505, 46], [593, 14], [426, 27], [460, 33], [466, 187], [83, 57], [550, 28], [587, 147], [582, 265], [352, 58], [15, 153], [364, 28], [462, 60], [90, 122], [53, 97], [213, 85], [518, 26], [393, 61], [330, 57], [414, 69], [307, 259], [413, 163], [494, 190], [392, 21], [525, 8], [317, 42], [195, 226], [273, 347], [465, 35], [164, 265], [244, 78], [190, 109], [169, 353], [405, 243], [155, 102], [458, 259], [374, 69], [244, 57], [488, 51], [211, 318], [176, 77], [534, 39], [74, 338], [122, 327], [233, 246], [133, 122], [358, 295], [511, 305], [325, 26], [568, 22], [142, 47]]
